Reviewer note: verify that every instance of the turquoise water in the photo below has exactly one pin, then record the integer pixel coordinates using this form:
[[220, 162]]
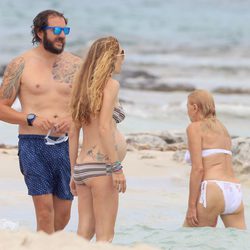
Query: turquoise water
[[204, 43], [155, 25], [201, 42]]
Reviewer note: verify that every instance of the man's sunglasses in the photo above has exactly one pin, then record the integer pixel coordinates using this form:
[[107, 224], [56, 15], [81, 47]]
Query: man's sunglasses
[[57, 30]]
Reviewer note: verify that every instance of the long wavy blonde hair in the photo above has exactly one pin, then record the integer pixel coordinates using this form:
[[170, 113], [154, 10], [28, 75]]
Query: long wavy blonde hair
[[205, 103], [87, 93]]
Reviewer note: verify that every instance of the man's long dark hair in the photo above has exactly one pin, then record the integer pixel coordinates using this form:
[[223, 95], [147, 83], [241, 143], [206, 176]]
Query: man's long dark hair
[[41, 20]]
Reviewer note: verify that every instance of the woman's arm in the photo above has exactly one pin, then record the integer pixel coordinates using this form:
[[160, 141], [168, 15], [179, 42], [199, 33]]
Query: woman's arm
[[74, 132], [106, 132], [195, 148]]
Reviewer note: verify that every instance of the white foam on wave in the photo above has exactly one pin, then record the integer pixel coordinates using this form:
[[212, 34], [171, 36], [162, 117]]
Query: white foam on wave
[[234, 110], [7, 224], [189, 61], [179, 108]]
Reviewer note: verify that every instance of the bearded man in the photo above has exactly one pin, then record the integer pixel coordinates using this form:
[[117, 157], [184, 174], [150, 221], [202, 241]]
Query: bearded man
[[42, 80]]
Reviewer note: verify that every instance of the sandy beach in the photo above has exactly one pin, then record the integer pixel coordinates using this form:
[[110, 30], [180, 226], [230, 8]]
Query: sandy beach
[[59, 240]]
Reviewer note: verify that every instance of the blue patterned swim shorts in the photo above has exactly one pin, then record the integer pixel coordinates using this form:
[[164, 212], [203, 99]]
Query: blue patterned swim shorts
[[46, 168]]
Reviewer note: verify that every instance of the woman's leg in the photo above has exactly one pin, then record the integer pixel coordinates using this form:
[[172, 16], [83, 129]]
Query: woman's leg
[[105, 203], [208, 216], [215, 206], [86, 220], [236, 220]]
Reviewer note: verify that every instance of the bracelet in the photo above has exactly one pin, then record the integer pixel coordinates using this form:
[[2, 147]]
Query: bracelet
[[115, 163], [116, 166]]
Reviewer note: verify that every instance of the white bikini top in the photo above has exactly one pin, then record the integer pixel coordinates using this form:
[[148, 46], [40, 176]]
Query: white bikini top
[[207, 152]]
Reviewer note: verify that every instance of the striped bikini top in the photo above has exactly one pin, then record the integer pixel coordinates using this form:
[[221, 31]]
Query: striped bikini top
[[118, 114]]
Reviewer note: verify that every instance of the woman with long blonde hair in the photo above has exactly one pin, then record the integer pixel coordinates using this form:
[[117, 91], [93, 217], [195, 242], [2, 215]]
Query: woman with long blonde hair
[[97, 174], [213, 189]]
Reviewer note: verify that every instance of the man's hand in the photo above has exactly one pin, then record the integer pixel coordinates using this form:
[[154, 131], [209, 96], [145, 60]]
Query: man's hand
[[63, 125], [43, 123]]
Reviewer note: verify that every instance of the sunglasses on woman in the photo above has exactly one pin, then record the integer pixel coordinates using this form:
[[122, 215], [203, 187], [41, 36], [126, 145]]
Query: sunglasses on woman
[[57, 30], [122, 53]]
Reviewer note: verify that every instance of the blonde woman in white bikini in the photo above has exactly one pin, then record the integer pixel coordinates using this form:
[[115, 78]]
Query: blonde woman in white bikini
[[97, 174], [213, 189]]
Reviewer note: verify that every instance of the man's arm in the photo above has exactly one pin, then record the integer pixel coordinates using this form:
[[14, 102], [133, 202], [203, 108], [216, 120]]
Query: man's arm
[[9, 90]]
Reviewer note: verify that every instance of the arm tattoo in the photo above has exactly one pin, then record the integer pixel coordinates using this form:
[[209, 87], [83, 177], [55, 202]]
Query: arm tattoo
[[11, 80], [64, 70]]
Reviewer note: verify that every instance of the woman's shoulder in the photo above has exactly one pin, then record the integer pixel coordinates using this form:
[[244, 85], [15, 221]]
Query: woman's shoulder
[[194, 127], [113, 83], [112, 86]]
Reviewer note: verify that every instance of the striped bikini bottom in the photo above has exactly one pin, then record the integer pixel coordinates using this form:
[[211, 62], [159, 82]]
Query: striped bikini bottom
[[85, 171]]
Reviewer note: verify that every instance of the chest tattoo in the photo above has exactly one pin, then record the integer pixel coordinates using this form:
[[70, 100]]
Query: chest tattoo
[[64, 70]]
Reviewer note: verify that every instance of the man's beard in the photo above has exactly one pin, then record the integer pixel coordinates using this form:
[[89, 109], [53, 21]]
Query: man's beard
[[49, 46]]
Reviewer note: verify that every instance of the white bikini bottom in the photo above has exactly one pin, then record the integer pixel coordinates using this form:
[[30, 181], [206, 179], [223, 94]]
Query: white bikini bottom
[[231, 192]]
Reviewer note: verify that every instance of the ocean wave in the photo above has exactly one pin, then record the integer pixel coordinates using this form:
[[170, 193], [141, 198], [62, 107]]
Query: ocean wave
[[178, 109], [190, 61], [234, 110], [9, 225]]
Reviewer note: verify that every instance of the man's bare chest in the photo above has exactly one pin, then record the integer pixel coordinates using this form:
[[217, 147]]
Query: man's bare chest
[[40, 79]]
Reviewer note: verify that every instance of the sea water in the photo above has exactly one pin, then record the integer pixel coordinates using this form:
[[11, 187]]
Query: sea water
[[204, 44], [149, 111], [200, 42]]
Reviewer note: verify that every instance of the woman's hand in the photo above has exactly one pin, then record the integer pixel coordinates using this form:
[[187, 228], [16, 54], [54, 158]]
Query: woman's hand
[[191, 217], [119, 181], [72, 187]]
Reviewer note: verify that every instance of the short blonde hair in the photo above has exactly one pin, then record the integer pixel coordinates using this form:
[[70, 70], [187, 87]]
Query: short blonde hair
[[205, 102]]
